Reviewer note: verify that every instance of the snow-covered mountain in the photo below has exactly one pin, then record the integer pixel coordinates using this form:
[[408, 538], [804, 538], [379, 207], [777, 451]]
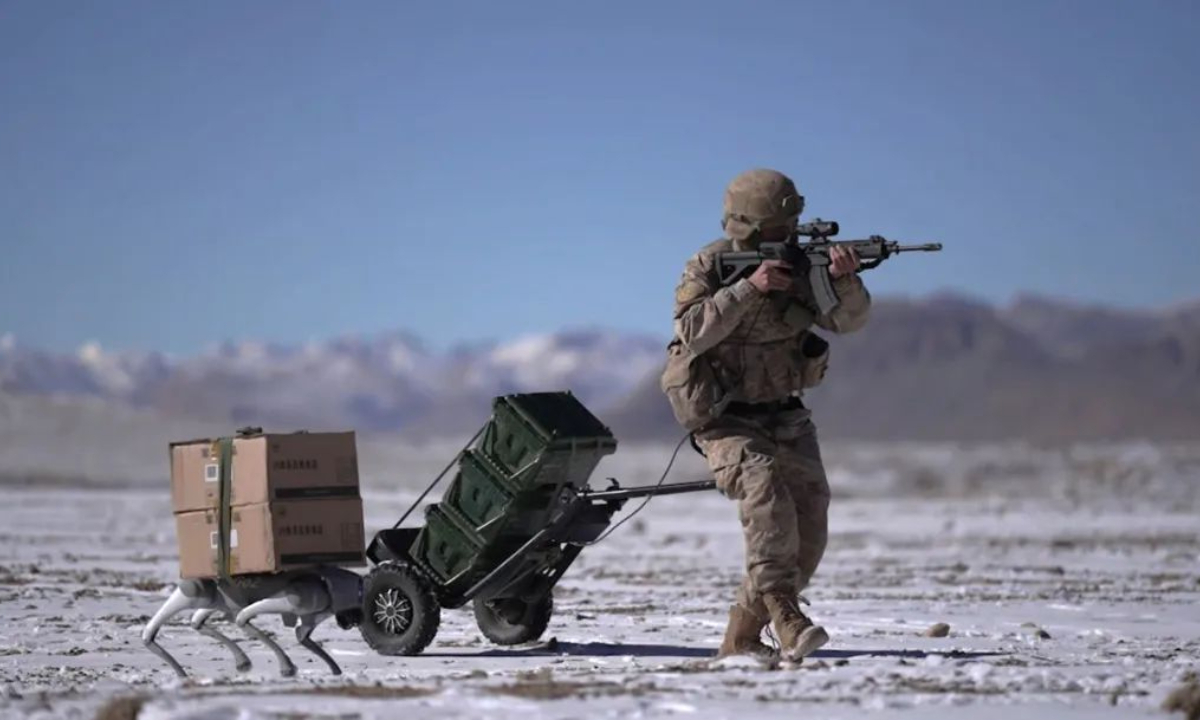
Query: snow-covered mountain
[[948, 367], [385, 382], [942, 367]]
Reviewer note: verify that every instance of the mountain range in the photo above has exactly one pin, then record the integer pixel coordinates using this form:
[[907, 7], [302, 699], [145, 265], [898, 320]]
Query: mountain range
[[944, 367], [387, 383], [950, 368]]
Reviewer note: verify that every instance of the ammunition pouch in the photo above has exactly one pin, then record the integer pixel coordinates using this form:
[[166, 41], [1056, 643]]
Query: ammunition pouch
[[814, 360], [691, 386]]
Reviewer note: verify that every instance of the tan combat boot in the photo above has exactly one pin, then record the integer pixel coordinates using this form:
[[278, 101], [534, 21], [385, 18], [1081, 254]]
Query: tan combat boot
[[798, 636], [743, 635]]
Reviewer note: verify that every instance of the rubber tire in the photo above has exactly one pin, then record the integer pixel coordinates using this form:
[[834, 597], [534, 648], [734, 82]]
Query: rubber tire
[[532, 625], [427, 613]]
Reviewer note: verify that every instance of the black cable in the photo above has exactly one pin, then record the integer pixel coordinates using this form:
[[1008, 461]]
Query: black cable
[[442, 474], [666, 472]]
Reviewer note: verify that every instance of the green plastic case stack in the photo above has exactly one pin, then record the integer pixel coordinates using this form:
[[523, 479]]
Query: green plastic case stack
[[536, 447]]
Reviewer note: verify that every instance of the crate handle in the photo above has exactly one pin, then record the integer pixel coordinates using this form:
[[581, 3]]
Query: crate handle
[[532, 463]]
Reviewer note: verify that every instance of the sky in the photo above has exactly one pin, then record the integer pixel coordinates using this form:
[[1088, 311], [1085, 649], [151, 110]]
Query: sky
[[176, 175]]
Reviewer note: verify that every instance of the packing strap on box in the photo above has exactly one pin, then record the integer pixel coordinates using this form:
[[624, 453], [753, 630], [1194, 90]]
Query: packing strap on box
[[224, 452]]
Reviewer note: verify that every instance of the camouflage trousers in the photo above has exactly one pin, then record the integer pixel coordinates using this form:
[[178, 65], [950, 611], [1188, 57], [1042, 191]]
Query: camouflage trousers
[[771, 465]]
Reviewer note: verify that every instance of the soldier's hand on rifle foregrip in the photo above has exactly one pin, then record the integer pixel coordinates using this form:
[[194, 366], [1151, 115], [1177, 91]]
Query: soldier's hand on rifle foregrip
[[842, 261], [772, 275]]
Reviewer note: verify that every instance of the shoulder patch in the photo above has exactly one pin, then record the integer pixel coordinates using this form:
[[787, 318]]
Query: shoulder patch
[[689, 291]]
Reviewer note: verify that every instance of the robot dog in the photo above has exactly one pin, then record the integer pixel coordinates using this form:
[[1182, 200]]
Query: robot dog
[[304, 598]]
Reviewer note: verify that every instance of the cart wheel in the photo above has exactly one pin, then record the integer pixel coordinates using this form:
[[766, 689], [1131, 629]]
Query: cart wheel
[[400, 611], [510, 621]]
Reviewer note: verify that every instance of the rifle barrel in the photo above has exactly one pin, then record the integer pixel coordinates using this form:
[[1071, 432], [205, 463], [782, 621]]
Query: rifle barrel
[[927, 247]]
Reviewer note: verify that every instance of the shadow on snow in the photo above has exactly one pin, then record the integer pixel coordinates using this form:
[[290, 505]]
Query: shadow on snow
[[645, 650]]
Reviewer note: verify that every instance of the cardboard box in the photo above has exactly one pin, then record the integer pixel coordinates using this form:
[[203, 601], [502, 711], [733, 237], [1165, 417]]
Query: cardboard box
[[271, 537], [265, 468]]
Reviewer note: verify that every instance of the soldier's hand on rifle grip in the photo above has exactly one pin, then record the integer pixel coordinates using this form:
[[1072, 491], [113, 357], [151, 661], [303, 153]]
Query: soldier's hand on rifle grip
[[842, 261], [772, 275]]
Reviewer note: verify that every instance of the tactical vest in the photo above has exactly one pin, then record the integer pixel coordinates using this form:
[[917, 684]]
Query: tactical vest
[[771, 354]]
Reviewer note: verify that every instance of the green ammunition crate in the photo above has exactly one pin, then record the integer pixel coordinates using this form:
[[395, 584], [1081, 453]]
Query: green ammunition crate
[[445, 545], [480, 493], [536, 448], [555, 427]]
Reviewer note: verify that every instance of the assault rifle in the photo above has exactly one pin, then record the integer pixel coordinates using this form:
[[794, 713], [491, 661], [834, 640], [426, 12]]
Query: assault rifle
[[812, 257]]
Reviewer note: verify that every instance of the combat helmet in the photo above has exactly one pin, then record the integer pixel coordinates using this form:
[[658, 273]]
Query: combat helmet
[[760, 199]]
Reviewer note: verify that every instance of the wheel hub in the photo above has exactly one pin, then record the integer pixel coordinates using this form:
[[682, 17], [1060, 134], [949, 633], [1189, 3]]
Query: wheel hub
[[393, 611], [510, 610]]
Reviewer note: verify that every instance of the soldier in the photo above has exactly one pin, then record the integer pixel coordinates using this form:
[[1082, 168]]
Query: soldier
[[737, 365]]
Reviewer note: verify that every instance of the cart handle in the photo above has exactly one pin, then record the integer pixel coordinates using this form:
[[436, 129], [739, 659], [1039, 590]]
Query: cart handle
[[620, 493]]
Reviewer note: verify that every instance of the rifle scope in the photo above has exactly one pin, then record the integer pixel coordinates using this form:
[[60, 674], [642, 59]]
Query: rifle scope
[[818, 228]]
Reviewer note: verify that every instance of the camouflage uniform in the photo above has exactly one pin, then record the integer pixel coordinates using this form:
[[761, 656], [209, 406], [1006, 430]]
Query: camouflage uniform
[[763, 449]]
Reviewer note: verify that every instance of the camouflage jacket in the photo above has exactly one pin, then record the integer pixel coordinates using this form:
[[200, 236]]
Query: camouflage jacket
[[753, 339]]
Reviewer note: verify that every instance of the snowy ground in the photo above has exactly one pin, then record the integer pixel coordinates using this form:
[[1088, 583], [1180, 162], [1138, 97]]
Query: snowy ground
[[1098, 549]]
